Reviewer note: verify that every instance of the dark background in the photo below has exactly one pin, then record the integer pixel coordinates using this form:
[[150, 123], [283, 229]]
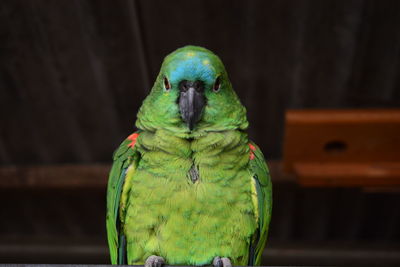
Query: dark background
[[74, 73]]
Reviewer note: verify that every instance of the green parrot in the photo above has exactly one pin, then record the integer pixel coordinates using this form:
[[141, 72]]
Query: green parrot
[[189, 187]]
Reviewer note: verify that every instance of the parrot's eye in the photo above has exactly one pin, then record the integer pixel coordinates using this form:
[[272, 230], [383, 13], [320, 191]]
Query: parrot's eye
[[217, 84], [167, 85]]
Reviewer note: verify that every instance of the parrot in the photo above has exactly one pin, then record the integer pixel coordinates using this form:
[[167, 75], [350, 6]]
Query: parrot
[[188, 187]]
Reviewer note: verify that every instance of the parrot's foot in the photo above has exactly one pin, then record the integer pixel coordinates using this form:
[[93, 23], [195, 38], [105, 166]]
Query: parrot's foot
[[154, 261], [222, 262]]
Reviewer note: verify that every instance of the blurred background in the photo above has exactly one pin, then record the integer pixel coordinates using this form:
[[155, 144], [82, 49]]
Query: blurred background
[[74, 73]]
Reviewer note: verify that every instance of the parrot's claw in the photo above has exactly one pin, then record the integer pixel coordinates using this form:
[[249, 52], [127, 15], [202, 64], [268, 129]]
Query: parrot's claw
[[222, 262], [154, 261]]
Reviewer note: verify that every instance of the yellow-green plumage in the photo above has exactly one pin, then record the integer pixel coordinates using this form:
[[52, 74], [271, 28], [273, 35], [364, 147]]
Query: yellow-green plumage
[[155, 207]]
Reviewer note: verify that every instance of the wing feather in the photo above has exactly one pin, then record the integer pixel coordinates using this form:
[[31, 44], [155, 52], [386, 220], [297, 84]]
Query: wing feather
[[125, 158], [263, 190]]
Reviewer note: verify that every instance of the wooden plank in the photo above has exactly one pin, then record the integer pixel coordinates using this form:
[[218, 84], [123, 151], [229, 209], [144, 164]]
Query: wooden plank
[[81, 175], [343, 116], [60, 176], [343, 147], [348, 174], [300, 254]]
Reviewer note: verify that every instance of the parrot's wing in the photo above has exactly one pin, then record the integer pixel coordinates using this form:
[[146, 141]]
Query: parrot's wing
[[125, 158], [262, 188]]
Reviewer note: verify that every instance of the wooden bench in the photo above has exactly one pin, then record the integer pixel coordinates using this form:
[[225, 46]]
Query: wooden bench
[[358, 148]]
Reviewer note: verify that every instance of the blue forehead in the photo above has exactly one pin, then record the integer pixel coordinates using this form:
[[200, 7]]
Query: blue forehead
[[192, 67]]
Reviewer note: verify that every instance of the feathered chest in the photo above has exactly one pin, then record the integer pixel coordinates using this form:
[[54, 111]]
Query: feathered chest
[[182, 193], [217, 156]]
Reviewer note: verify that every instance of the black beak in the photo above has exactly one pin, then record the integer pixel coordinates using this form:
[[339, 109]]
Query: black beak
[[191, 101]]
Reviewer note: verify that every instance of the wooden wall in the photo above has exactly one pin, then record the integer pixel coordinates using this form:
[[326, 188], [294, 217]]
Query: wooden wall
[[74, 73]]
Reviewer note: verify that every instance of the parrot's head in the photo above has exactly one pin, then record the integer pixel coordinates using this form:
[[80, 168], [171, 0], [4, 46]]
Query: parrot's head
[[192, 95]]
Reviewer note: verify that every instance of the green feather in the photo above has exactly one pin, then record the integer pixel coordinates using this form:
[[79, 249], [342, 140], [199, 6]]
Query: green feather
[[154, 207], [122, 159], [260, 172]]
